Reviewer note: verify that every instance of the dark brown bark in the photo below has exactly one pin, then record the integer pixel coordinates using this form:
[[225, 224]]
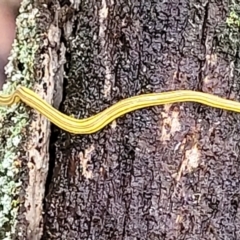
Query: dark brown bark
[[168, 172]]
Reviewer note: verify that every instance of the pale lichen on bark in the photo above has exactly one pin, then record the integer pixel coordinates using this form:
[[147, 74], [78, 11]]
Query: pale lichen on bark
[[18, 146], [11, 132]]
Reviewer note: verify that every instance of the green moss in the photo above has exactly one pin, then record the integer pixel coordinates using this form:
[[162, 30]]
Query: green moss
[[233, 20], [233, 26], [227, 35], [13, 119]]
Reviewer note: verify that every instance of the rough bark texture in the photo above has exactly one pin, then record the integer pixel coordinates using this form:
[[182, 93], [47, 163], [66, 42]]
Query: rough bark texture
[[34, 156], [167, 172]]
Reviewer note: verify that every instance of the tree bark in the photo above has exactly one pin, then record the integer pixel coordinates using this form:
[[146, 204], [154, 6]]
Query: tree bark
[[168, 172]]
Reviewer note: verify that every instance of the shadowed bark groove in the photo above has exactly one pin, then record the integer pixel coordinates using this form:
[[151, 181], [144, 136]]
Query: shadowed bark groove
[[168, 172]]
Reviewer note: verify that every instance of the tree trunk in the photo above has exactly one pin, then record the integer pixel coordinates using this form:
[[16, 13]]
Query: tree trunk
[[166, 172]]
